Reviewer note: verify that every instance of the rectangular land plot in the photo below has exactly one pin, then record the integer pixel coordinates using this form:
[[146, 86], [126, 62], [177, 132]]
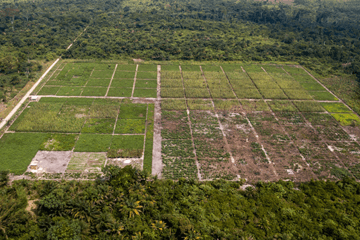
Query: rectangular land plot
[[175, 125], [122, 83], [322, 95], [130, 126], [70, 91], [102, 74], [93, 143], [172, 93], [133, 111], [146, 75], [48, 91], [94, 91], [126, 146], [145, 83], [98, 82], [129, 67], [145, 93], [98, 125], [147, 68], [173, 104], [86, 162], [190, 68], [335, 107], [197, 93], [123, 74], [119, 92]]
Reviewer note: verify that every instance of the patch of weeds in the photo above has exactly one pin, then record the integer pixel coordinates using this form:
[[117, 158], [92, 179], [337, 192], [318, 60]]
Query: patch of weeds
[[175, 125], [312, 86], [127, 142], [188, 68], [124, 153], [251, 106], [199, 104], [48, 91], [59, 142], [195, 83], [227, 105], [146, 75], [169, 68], [93, 143], [209, 68], [347, 119], [133, 111], [253, 68], [339, 172], [175, 168], [120, 92], [322, 95], [124, 67], [98, 82], [102, 74], [173, 104], [171, 83], [147, 67], [335, 107], [297, 94], [18, 149], [197, 93], [273, 93], [94, 91], [172, 92], [251, 93], [130, 126], [177, 148], [222, 93], [146, 84], [86, 163], [145, 93], [309, 106], [282, 106], [104, 111], [123, 74], [69, 91], [98, 125]]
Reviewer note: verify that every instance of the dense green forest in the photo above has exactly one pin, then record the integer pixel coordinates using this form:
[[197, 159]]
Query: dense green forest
[[321, 35], [125, 204]]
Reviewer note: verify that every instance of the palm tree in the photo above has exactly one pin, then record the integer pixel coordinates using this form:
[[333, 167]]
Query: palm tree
[[132, 207]]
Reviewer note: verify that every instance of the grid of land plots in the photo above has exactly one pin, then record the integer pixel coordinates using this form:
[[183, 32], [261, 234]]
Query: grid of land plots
[[255, 122], [78, 135], [110, 80]]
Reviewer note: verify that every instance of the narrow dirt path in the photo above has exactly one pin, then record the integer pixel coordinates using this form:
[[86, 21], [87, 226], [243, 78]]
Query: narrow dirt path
[[157, 165], [112, 77], [133, 90]]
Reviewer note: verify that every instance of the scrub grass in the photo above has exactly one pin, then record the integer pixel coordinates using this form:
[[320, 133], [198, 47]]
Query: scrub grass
[[273, 94], [312, 86], [123, 74], [251, 106], [198, 104], [147, 68], [297, 94], [190, 68], [171, 83], [129, 67], [226, 105], [309, 106], [197, 93], [102, 74], [247, 93], [169, 68]]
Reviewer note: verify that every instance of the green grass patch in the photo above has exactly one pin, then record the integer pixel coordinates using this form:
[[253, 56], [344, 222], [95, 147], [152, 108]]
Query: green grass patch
[[266, 84], [79, 101], [195, 83], [252, 93], [288, 84], [273, 93], [18, 149], [126, 146], [133, 111], [172, 92], [169, 67], [312, 86], [146, 84], [129, 67], [197, 93], [48, 91], [250, 106], [148, 155], [209, 68], [98, 125], [309, 106], [120, 92], [59, 142], [297, 94], [173, 104], [70, 91], [170, 74], [122, 83], [130, 126], [226, 105], [222, 93], [336, 107], [294, 70], [146, 75], [273, 69], [198, 104], [145, 93], [323, 95], [347, 119], [104, 111], [231, 68], [253, 68], [171, 83], [192, 75], [190, 68], [93, 143], [98, 82], [123, 74], [147, 68], [282, 106], [104, 66], [94, 91], [102, 74]]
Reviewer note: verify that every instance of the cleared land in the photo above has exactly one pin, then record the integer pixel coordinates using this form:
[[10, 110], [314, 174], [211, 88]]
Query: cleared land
[[231, 121]]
